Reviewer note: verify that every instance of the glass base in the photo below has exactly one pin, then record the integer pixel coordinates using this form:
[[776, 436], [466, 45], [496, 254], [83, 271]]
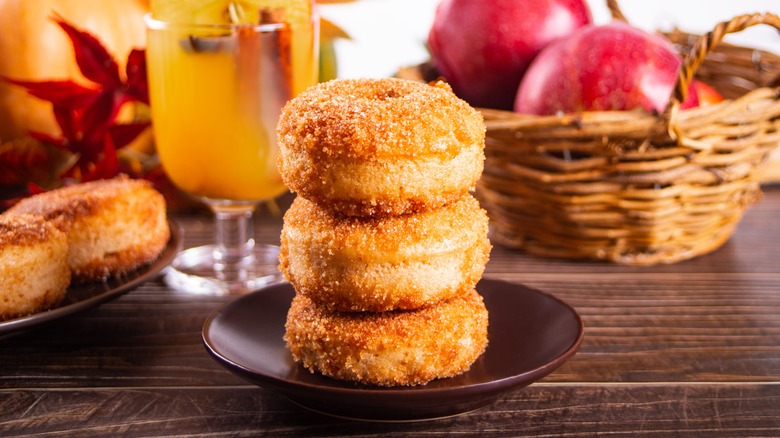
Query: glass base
[[193, 271]]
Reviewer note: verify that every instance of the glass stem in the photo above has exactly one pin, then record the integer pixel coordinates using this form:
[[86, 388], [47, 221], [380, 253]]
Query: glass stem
[[234, 250]]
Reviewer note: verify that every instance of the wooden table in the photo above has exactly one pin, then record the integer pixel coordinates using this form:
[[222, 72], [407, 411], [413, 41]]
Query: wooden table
[[692, 347]]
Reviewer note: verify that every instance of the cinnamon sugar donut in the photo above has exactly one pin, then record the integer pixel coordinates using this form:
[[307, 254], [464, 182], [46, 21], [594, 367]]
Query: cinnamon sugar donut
[[34, 274], [380, 147], [113, 225], [404, 347], [378, 264]]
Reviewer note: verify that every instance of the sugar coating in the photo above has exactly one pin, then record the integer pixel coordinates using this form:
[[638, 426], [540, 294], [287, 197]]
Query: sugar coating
[[384, 244], [34, 274], [386, 146], [395, 348], [388, 263], [113, 225]]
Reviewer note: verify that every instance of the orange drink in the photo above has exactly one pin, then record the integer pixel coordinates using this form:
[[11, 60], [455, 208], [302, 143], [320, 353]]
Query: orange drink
[[220, 72], [216, 93]]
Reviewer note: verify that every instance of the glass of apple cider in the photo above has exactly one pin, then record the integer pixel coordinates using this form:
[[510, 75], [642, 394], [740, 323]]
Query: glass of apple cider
[[217, 82]]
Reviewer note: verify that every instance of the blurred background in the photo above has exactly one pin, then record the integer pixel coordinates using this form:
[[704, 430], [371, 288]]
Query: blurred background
[[361, 38], [388, 34]]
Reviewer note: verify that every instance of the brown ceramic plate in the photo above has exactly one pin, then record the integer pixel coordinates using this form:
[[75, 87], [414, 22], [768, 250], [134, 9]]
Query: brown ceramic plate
[[86, 295], [530, 335]]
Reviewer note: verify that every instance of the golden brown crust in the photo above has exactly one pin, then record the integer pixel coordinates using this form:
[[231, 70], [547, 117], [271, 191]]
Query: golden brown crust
[[67, 204], [385, 146], [389, 348], [113, 226], [23, 230], [34, 274], [380, 264], [375, 119]]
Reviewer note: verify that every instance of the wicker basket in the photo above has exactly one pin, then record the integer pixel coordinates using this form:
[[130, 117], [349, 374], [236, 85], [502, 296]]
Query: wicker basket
[[632, 187]]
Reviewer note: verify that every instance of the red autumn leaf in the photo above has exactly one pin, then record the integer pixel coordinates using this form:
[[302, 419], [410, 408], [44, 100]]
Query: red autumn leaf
[[94, 61], [25, 159], [69, 123], [17, 161], [137, 84], [60, 93], [57, 142], [125, 133], [107, 166], [90, 134], [35, 189], [86, 114], [96, 119]]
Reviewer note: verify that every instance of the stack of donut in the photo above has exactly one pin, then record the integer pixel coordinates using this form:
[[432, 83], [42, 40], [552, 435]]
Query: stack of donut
[[384, 243]]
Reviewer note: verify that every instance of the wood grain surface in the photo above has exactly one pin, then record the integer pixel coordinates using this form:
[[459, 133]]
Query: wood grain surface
[[689, 349]]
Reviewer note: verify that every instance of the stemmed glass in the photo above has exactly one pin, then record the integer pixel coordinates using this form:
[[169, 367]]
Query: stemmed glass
[[216, 93]]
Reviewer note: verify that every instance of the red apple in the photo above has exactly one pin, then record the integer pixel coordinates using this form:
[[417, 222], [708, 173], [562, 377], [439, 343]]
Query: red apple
[[706, 94], [483, 47], [598, 68]]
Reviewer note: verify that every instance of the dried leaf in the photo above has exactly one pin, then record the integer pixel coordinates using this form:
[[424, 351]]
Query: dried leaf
[[69, 123], [87, 117], [107, 166], [35, 189], [137, 84], [60, 93], [94, 61], [125, 133], [96, 119], [26, 160], [330, 30]]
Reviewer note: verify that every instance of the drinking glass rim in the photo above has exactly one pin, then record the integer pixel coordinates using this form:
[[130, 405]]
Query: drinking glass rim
[[156, 24]]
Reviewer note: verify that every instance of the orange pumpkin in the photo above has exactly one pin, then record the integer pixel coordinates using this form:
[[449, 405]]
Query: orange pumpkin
[[32, 47]]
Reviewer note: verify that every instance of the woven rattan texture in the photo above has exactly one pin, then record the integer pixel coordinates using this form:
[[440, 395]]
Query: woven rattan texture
[[632, 187]]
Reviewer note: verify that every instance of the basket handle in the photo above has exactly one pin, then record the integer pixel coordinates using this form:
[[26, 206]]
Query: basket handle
[[704, 44], [614, 8], [707, 42]]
